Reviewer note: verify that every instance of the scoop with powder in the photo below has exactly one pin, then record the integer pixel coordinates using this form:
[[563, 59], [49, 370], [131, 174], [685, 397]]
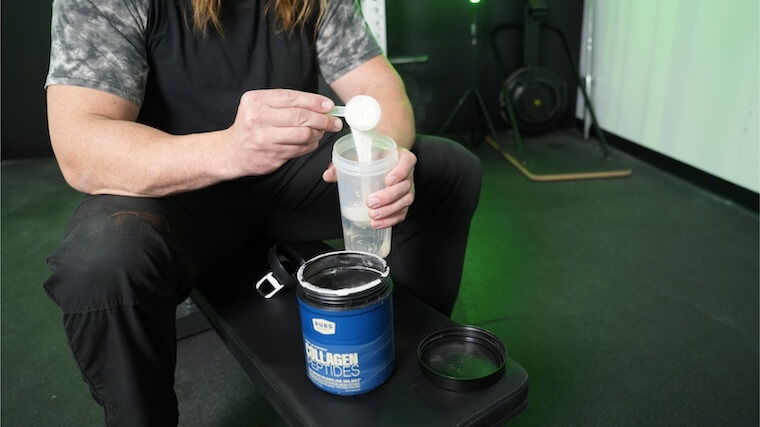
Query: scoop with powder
[[362, 114]]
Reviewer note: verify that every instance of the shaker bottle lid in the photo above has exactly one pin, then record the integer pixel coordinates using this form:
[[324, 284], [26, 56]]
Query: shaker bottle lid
[[462, 358]]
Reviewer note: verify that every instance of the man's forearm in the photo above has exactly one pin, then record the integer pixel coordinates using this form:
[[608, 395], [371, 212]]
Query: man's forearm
[[398, 117], [398, 123], [378, 79], [126, 158], [102, 150]]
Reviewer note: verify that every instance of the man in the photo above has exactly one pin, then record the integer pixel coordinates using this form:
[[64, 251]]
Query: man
[[193, 127]]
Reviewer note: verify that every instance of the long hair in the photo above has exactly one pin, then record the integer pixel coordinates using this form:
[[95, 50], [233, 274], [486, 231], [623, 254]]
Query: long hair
[[290, 14]]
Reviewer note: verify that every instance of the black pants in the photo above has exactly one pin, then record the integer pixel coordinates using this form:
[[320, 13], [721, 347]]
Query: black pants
[[126, 262]]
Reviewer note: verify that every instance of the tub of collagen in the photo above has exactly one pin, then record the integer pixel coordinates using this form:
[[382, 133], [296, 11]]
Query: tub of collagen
[[346, 310]]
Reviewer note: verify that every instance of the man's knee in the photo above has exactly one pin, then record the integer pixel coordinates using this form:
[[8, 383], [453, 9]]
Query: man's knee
[[449, 167], [112, 257]]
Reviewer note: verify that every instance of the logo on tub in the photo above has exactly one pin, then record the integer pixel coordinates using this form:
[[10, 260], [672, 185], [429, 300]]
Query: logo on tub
[[324, 327]]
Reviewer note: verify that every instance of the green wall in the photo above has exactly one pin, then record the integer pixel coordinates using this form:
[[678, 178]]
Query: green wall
[[681, 77]]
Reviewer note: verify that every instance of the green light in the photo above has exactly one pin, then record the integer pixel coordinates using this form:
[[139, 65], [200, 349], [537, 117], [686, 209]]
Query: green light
[[474, 1]]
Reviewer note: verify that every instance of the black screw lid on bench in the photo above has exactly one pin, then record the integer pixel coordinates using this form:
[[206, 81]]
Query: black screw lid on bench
[[462, 358]]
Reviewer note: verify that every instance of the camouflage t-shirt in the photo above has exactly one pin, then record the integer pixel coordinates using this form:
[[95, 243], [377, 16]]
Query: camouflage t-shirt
[[101, 44]]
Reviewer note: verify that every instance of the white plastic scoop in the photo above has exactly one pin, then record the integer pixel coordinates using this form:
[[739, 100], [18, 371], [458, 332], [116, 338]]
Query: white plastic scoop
[[362, 114]]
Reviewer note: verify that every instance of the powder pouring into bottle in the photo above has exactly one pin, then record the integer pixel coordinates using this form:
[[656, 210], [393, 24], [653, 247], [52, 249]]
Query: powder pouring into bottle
[[362, 160]]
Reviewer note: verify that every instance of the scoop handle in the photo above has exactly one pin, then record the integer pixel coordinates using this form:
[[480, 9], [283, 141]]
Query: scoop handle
[[338, 111]]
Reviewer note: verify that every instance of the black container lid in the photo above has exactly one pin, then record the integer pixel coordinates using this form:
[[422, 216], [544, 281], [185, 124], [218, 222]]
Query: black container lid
[[462, 358]]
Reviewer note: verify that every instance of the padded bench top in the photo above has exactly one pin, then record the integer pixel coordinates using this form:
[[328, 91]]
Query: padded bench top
[[265, 338]]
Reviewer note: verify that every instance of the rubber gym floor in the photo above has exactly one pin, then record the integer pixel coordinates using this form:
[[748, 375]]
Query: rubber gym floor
[[630, 301]]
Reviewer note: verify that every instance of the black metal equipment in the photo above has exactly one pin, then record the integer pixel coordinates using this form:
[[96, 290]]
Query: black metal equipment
[[533, 98], [537, 94], [473, 90]]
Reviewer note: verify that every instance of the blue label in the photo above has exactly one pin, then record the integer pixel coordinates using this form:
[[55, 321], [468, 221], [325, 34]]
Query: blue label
[[348, 352]]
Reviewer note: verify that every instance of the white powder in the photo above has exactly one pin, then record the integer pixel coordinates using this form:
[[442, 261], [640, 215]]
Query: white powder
[[362, 115]]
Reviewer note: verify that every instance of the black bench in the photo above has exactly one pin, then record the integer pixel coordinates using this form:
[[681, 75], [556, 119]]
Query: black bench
[[265, 338]]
